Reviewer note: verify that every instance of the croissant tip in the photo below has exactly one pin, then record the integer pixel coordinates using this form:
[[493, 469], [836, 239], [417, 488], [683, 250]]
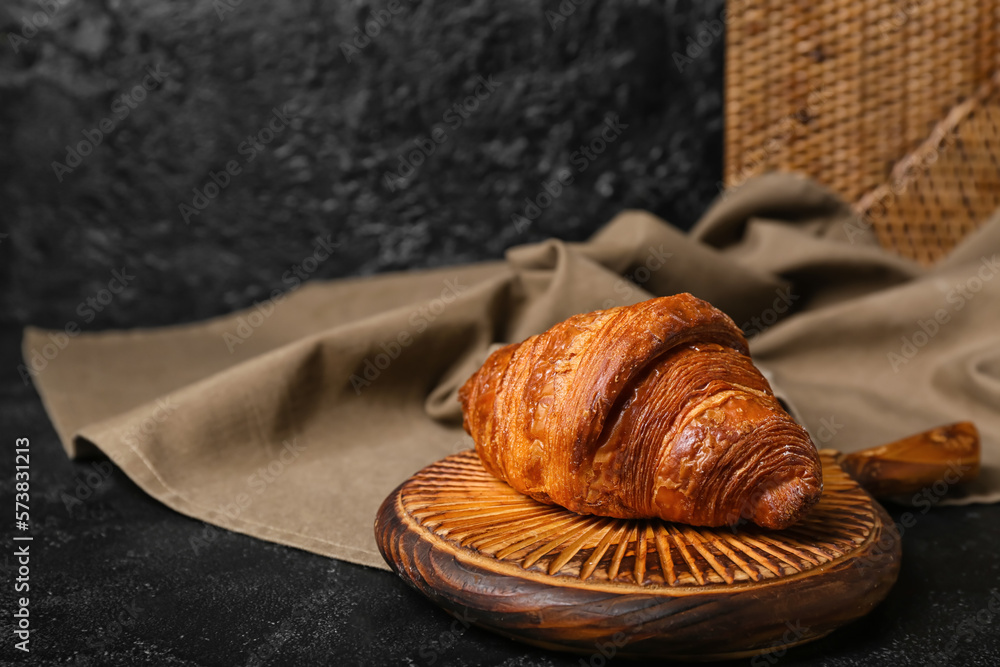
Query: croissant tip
[[783, 504]]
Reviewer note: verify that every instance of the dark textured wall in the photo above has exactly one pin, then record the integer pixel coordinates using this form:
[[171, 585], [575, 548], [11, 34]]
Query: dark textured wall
[[166, 93]]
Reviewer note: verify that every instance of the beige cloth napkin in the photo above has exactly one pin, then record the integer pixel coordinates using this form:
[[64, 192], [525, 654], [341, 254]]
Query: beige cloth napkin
[[291, 421]]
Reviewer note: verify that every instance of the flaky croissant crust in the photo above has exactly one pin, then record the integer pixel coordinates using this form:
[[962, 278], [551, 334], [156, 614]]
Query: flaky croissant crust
[[649, 410]]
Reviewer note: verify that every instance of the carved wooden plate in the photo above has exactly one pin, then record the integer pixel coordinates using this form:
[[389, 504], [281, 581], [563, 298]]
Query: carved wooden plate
[[641, 588]]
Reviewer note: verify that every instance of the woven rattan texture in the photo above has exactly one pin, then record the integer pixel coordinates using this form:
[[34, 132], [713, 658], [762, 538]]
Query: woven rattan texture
[[868, 97]]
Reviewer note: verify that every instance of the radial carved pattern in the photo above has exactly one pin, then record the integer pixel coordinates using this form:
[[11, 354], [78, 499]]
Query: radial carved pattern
[[459, 502]]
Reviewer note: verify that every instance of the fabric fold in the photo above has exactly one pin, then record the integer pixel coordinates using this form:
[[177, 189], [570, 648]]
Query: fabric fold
[[293, 419]]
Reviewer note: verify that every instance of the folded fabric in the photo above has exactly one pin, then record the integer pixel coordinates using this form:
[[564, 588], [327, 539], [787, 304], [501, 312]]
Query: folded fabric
[[292, 420]]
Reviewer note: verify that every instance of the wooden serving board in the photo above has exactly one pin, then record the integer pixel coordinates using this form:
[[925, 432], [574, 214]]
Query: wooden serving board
[[640, 588]]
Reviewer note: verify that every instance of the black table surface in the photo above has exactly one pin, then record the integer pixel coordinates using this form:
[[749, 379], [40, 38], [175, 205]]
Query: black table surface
[[119, 579]]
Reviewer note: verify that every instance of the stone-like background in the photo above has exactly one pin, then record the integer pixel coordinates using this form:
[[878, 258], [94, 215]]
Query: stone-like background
[[228, 65]]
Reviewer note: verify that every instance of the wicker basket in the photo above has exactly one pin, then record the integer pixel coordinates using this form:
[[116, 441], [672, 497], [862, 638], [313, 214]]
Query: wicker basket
[[896, 106]]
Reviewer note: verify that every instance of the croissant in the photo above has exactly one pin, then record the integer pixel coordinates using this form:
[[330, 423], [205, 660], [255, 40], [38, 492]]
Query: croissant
[[649, 410]]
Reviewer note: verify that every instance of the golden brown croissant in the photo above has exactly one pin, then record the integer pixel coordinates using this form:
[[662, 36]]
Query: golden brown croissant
[[650, 410]]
